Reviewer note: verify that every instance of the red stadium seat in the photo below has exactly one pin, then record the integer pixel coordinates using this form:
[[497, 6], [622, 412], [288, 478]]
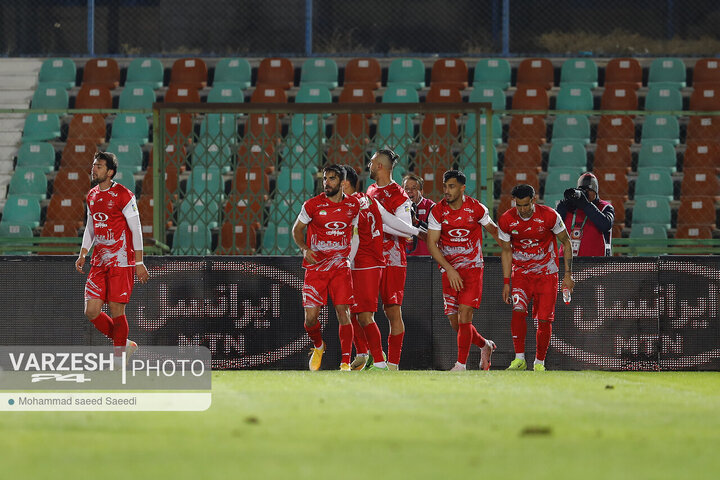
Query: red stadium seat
[[516, 176], [443, 94], [706, 71], [616, 128], [624, 72], [87, 126], [356, 94], [93, 97], [696, 210], [450, 72], [705, 98], [179, 127], [528, 128], [523, 154], [530, 98], [79, 153], [191, 72], [611, 153], [700, 181], [268, 94], [612, 181], [699, 154], [58, 228], [618, 203], [363, 73], [102, 72], [619, 98], [250, 180], [439, 128], [276, 72], [537, 72], [182, 93], [703, 128], [68, 209], [237, 239], [691, 232], [506, 203]]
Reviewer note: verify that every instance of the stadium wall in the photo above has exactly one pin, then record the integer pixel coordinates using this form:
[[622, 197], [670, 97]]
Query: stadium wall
[[642, 313]]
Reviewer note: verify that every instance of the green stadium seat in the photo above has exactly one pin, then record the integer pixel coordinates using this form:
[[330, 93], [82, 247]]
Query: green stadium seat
[[492, 72], [654, 181], [489, 94], [277, 237], [22, 210], [41, 126], [50, 97], [308, 126], [395, 131], [59, 72], [400, 94], [409, 72], [657, 153], [36, 155], [30, 181], [302, 152], [467, 161], [138, 96], [192, 239], [579, 72], [15, 230], [575, 97], [235, 72], [196, 209], [297, 179], [571, 127], [124, 176], [130, 127], [129, 154], [567, 153], [319, 72], [649, 231], [560, 179], [469, 130], [206, 180], [145, 71], [667, 72], [663, 98], [226, 93], [219, 127], [651, 209], [313, 93], [552, 200], [211, 154], [661, 127]]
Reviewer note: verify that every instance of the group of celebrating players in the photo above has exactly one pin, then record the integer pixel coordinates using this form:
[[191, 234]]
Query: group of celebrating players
[[353, 247]]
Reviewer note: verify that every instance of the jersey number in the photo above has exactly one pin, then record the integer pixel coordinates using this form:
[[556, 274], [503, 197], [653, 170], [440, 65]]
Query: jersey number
[[374, 231]]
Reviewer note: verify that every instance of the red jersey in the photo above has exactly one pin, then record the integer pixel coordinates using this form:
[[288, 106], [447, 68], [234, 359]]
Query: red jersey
[[423, 213], [460, 231], [330, 230], [109, 210], [370, 231], [392, 197], [533, 240]]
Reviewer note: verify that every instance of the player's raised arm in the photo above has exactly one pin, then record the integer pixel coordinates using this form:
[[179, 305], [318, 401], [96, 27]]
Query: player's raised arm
[[398, 223]]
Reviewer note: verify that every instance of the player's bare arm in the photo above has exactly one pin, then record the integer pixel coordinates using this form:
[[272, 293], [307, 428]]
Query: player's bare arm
[[140, 269], [564, 239], [492, 229], [506, 259], [299, 238], [453, 276]]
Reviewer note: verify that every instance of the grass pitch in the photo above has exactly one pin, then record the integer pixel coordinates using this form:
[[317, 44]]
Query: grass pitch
[[580, 425]]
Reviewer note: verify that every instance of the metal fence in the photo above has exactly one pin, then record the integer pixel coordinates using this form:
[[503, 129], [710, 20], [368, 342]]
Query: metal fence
[[370, 27]]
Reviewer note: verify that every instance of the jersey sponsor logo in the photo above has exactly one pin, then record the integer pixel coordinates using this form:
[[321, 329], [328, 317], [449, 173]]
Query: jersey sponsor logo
[[459, 233], [528, 243], [336, 228], [100, 217]]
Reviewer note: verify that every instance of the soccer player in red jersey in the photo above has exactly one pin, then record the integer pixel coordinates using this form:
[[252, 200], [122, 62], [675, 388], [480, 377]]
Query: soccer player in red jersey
[[329, 219], [528, 236], [367, 266], [113, 226], [392, 284], [455, 242], [413, 186]]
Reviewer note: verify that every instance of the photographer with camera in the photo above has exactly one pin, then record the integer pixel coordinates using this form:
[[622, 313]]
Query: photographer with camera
[[588, 219]]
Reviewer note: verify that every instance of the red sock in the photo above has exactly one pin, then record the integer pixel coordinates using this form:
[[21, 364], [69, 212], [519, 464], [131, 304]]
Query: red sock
[[518, 328], [542, 337], [104, 324], [464, 338], [361, 343], [372, 333], [477, 339], [315, 334], [120, 333], [346, 338], [395, 348]]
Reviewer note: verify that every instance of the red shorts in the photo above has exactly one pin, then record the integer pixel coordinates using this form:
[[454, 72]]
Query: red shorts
[[366, 285], [317, 285], [392, 285], [110, 284], [470, 295], [541, 289]]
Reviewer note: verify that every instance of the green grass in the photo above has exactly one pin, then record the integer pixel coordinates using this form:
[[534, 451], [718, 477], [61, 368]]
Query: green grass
[[579, 425]]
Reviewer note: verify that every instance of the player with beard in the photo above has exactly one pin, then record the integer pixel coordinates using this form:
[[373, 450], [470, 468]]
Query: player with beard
[[529, 235], [113, 226], [455, 242], [329, 219], [392, 284]]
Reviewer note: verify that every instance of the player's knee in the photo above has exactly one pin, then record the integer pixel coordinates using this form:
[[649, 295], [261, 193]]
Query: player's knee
[[91, 312]]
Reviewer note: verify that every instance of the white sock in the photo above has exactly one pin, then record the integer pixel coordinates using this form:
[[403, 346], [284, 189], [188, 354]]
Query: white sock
[[539, 362], [520, 356], [380, 364], [362, 354], [460, 364], [128, 342]]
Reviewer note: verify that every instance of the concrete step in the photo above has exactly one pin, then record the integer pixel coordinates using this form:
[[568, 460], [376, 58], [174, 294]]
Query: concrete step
[[14, 124], [10, 138], [15, 97]]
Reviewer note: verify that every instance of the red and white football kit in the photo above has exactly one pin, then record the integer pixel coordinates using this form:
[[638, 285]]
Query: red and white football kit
[[461, 245], [110, 215], [535, 259], [369, 261], [329, 233], [393, 199]]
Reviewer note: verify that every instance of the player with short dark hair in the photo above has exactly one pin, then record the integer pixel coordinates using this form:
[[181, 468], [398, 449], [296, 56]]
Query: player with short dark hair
[[329, 219], [113, 227], [528, 236], [455, 242]]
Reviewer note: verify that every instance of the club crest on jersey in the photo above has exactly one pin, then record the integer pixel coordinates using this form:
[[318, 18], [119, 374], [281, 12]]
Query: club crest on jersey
[[515, 232]]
